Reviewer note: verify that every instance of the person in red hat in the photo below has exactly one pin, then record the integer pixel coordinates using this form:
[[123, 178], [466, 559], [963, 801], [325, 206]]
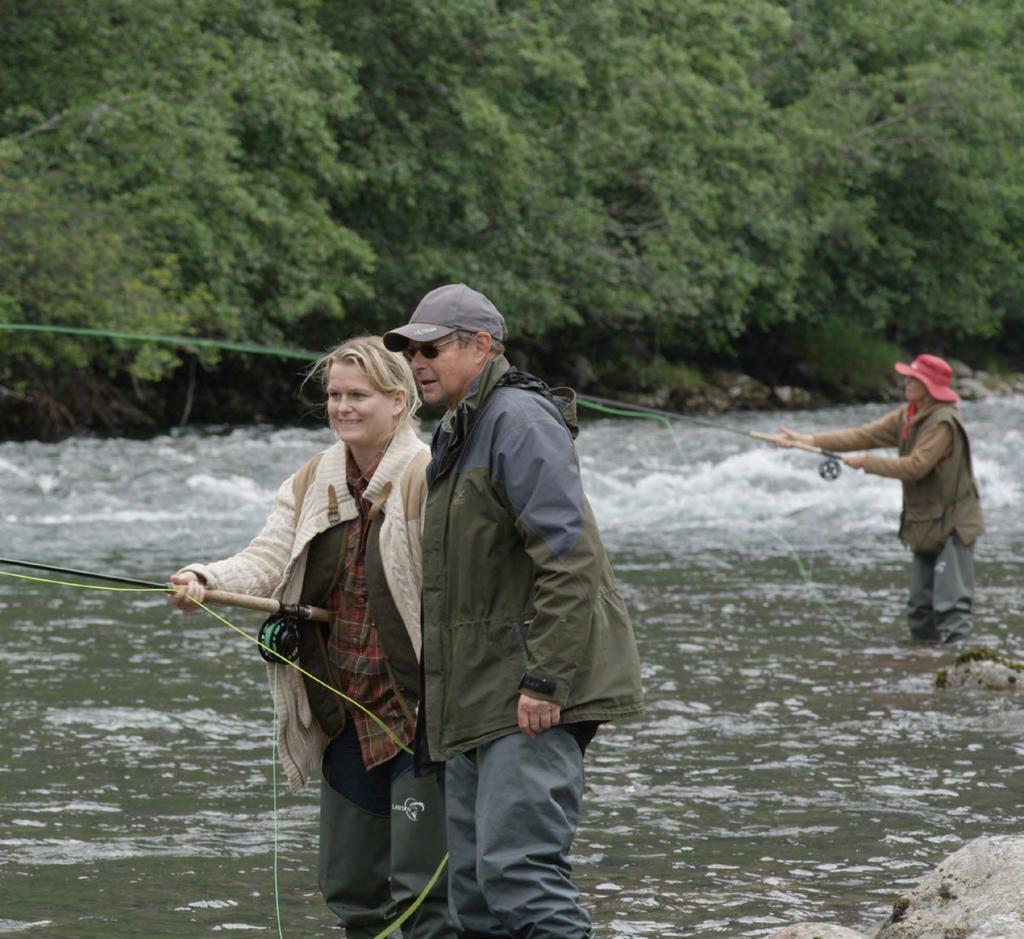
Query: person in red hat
[[941, 516]]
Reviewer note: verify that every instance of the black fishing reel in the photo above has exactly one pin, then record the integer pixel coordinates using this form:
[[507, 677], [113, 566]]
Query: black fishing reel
[[279, 638], [830, 468]]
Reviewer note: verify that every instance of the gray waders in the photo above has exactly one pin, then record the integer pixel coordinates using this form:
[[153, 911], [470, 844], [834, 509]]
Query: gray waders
[[513, 806], [372, 867], [942, 593]]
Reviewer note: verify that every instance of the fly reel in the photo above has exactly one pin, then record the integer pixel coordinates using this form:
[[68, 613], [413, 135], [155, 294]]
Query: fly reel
[[829, 469], [279, 638]]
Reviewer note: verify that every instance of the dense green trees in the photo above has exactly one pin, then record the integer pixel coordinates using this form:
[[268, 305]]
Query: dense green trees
[[645, 182], [910, 122]]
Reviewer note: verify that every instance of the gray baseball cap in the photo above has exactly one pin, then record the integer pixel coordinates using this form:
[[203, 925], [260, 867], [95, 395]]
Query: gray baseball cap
[[445, 309]]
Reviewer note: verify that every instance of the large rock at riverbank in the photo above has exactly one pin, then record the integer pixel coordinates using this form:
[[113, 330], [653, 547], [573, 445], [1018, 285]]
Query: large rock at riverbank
[[976, 893]]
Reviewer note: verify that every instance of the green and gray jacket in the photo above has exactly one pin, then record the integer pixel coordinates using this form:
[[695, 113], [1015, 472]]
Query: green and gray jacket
[[518, 592]]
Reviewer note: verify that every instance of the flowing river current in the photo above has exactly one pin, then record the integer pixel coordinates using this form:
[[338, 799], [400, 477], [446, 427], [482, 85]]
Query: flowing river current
[[795, 761]]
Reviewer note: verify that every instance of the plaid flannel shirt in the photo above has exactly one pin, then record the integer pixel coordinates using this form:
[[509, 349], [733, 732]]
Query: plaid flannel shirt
[[354, 645]]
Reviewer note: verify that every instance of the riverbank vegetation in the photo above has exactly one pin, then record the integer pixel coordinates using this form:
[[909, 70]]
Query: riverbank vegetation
[[649, 189]]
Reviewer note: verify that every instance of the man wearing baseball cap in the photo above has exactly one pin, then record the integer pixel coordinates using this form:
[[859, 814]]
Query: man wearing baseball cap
[[941, 516], [527, 644]]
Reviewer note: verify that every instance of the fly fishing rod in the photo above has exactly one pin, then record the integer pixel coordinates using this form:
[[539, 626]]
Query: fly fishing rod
[[278, 637], [829, 468]]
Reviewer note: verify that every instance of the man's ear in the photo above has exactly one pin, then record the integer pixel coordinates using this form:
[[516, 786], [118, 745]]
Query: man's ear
[[482, 343]]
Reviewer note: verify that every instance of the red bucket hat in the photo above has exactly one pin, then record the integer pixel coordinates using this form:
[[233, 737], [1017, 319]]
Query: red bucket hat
[[934, 373]]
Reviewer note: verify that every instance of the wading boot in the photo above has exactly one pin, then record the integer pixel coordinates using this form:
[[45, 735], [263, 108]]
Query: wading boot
[[355, 865], [417, 847]]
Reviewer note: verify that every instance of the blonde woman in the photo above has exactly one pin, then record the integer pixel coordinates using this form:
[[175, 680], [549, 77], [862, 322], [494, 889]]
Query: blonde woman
[[344, 533]]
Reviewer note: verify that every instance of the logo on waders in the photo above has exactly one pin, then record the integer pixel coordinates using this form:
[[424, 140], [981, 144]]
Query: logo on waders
[[411, 808]]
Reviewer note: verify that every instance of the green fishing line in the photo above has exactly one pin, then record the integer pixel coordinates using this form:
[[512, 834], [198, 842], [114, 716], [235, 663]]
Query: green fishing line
[[273, 789], [813, 587], [312, 356], [187, 341]]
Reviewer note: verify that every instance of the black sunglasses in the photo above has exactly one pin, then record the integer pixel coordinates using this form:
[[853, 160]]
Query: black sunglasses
[[429, 350]]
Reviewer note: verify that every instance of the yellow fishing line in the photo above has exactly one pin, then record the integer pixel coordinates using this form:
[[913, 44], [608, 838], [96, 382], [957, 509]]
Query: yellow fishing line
[[303, 672], [415, 905], [241, 632], [68, 583], [277, 901]]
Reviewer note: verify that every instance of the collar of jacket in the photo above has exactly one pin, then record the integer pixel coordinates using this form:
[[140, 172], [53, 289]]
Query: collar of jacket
[[332, 470], [458, 422], [564, 399], [926, 409]]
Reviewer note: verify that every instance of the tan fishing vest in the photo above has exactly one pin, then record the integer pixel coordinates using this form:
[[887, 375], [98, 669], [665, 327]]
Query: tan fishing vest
[[946, 500]]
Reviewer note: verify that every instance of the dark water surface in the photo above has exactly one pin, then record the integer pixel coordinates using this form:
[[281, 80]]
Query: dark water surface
[[795, 761]]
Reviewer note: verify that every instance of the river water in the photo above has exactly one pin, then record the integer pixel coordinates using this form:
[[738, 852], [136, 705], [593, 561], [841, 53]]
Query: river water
[[795, 761]]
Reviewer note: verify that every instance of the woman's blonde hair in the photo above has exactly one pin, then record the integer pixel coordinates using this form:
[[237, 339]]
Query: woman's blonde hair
[[388, 371]]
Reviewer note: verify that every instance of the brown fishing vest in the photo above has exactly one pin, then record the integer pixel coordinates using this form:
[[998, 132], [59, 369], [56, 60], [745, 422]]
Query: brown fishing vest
[[325, 561], [946, 500]]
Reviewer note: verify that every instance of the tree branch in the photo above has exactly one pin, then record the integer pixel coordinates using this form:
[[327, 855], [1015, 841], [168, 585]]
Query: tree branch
[[52, 123]]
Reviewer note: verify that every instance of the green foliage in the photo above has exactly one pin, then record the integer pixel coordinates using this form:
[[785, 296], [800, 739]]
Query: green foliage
[[169, 167], [69, 262], [609, 165], [844, 357], [671, 376], [639, 181], [909, 120]]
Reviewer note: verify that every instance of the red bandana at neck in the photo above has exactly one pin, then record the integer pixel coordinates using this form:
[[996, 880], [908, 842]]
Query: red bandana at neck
[[911, 411]]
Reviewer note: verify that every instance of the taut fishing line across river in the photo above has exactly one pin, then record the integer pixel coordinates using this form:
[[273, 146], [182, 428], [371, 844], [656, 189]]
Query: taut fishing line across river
[[828, 469]]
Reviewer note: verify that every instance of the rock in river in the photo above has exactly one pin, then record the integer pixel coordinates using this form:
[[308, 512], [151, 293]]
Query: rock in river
[[982, 668], [976, 893]]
